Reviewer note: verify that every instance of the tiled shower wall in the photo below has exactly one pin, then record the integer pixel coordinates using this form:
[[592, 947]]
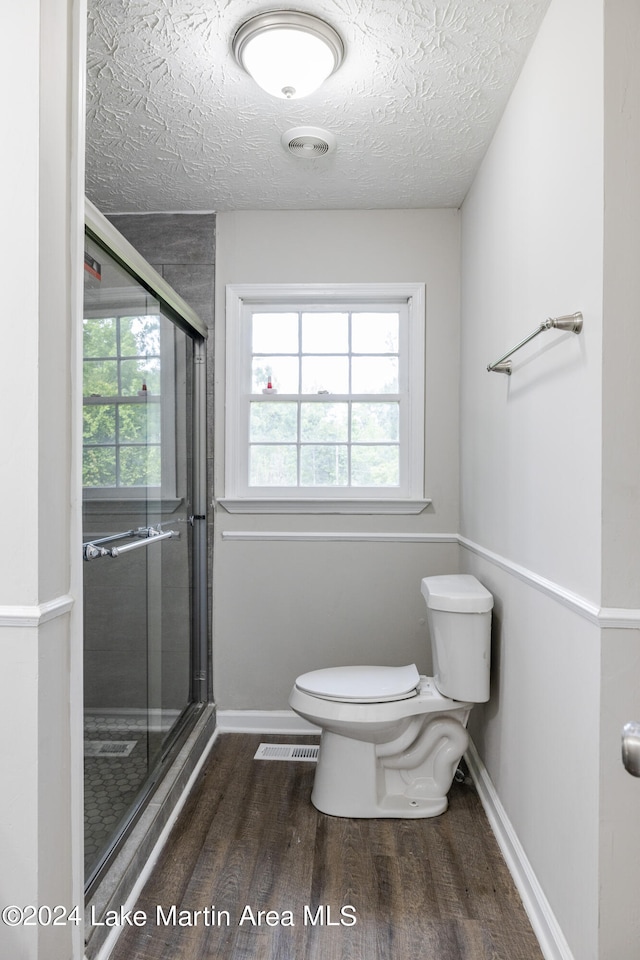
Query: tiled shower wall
[[181, 247]]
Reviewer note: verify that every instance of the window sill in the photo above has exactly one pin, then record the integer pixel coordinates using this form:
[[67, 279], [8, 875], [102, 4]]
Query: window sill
[[312, 505]]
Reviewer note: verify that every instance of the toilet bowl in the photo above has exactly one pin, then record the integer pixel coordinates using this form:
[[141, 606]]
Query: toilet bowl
[[391, 738]]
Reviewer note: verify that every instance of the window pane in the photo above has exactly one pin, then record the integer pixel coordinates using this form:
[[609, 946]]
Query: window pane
[[375, 332], [374, 375], [99, 423], [139, 336], [139, 422], [374, 421], [322, 422], [325, 333], [274, 333], [273, 422], [99, 337], [135, 373], [139, 466], [325, 375], [99, 467], [324, 466], [284, 373], [100, 378], [273, 466], [375, 466]]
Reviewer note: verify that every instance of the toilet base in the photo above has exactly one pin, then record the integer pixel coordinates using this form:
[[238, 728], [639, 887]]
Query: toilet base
[[392, 807], [355, 778]]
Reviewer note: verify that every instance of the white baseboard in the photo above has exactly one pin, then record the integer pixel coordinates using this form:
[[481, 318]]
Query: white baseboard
[[545, 926], [263, 721]]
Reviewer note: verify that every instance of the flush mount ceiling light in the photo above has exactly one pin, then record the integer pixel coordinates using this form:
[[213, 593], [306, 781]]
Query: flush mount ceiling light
[[289, 54]]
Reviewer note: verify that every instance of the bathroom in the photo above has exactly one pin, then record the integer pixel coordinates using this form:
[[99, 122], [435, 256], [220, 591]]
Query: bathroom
[[531, 478]]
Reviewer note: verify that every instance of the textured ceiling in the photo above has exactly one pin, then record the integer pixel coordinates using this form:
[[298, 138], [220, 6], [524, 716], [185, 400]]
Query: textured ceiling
[[174, 124]]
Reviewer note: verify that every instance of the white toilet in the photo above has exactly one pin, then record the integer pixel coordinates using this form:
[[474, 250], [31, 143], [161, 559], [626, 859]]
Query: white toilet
[[392, 739]]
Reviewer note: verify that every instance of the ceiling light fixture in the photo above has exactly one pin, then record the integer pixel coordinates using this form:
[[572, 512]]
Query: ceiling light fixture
[[289, 54]]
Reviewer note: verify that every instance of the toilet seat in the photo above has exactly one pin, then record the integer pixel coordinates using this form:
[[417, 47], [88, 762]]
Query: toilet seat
[[366, 684]]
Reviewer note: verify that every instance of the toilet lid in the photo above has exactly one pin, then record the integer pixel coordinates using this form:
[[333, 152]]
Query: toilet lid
[[361, 684]]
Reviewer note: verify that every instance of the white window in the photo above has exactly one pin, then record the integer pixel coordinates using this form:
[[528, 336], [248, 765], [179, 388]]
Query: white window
[[325, 397]]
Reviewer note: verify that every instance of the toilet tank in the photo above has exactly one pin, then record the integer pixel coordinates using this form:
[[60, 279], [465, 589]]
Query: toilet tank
[[459, 618]]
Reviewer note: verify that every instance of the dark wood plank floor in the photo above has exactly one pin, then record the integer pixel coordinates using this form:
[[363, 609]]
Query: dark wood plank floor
[[249, 840]]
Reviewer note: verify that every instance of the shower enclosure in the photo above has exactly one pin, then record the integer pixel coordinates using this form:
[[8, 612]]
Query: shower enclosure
[[144, 534]]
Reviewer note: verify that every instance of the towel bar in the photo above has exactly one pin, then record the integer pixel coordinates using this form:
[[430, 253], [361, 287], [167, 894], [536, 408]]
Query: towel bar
[[571, 323]]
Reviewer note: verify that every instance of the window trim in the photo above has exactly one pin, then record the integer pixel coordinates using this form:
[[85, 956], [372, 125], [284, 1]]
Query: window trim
[[240, 498]]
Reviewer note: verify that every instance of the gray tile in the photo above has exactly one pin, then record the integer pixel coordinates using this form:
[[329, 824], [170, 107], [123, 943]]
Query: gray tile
[[194, 283], [113, 681], [170, 237]]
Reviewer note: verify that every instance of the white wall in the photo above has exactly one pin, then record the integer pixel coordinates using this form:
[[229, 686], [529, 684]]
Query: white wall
[[531, 499], [532, 248], [620, 690], [40, 628], [283, 608]]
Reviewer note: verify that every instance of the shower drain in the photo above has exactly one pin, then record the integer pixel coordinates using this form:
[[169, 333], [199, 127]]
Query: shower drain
[[286, 751], [108, 748]]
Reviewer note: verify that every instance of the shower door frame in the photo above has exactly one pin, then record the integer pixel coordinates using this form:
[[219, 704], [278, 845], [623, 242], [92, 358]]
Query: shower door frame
[[106, 236]]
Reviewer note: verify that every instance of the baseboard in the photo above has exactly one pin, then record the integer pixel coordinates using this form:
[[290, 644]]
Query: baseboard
[[545, 926], [263, 721]]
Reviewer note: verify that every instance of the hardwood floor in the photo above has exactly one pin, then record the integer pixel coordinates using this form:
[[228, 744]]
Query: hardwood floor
[[249, 840]]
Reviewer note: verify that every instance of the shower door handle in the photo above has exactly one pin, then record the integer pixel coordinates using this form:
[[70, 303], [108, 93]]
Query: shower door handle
[[152, 538], [94, 549], [631, 748]]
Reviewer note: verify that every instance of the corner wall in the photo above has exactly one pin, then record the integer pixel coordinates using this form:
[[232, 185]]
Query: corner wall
[[532, 241], [620, 664], [40, 430], [284, 607]]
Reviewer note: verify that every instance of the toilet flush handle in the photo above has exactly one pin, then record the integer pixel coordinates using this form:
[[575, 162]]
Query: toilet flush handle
[[631, 748]]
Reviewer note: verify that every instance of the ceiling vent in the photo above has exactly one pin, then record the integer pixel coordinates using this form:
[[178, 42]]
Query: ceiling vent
[[308, 143]]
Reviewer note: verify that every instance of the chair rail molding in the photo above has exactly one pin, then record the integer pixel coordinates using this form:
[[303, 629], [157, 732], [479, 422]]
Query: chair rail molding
[[616, 618], [338, 535], [36, 614]]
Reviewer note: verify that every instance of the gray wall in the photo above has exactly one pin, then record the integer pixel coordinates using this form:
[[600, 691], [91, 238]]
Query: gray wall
[[284, 607], [287, 607]]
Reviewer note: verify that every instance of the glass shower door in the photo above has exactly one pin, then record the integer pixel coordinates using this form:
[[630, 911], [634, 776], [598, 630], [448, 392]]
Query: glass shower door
[[141, 650]]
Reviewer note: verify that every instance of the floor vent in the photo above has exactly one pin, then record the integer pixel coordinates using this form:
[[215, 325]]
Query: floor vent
[[108, 748], [287, 751]]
